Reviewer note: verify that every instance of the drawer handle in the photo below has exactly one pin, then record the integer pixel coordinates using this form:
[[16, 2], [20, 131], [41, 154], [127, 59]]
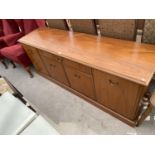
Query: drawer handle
[[77, 76], [59, 59], [52, 65], [113, 83]]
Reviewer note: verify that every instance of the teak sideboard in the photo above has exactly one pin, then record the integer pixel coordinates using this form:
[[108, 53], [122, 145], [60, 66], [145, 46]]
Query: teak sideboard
[[112, 74]]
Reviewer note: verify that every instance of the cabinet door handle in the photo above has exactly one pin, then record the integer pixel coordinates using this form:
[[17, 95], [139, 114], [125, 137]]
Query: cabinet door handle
[[77, 76], [59, 59], [113, 83], [52, 65]]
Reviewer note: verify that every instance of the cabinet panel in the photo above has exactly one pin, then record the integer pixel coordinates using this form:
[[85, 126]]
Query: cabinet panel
[[55, 70], [51, 56], [77, 66], [35, 58], [116, 93], [81, 81]]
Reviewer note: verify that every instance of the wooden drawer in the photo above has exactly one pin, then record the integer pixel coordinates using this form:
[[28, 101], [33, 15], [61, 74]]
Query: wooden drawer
[[80, 81], [51, 56], [77, 66], [55, 69], [35, 58], [118, 94]]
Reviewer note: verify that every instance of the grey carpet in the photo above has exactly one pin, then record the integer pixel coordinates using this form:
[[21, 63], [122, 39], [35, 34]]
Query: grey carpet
[[69, 113]]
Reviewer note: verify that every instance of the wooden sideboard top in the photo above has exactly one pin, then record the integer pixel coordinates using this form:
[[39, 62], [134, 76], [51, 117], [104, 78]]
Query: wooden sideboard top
[[126, 59]]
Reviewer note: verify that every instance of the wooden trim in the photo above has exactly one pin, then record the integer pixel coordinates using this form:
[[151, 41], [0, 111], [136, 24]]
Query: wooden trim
[[66, 24], [140, 23], [94, 21], [94, 84], [120, 117], [135, 33], [66, 74], [140, 26]]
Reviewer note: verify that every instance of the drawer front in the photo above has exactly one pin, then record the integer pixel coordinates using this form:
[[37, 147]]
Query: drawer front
[[55, 70], [77, 66], [116, 93], [81, 82], [51, 56], [35, 58]]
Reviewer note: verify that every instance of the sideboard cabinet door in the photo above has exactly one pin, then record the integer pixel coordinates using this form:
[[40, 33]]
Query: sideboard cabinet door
[[120, 95], [35, 58], [55, 67], [81, 81]]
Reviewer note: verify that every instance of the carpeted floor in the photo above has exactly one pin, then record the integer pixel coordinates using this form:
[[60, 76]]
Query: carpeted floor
[[67, 112]]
